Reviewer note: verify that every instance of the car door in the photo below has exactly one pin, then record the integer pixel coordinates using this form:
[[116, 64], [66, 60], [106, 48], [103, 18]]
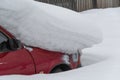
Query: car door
[[14, 61]]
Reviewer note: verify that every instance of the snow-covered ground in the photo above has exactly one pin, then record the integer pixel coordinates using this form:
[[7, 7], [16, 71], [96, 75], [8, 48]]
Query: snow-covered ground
[[101, 62]]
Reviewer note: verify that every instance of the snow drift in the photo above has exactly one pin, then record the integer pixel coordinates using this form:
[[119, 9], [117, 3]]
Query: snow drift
[[34, 25]]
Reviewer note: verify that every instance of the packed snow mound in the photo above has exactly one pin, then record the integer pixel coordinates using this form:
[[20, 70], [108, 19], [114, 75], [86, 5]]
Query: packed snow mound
[[34, 25]]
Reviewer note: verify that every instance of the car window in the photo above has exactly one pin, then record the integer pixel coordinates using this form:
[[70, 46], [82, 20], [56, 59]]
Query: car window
[[4, 45]]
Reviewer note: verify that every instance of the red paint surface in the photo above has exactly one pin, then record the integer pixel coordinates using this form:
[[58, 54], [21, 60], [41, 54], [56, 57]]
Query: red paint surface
[[22, 61]]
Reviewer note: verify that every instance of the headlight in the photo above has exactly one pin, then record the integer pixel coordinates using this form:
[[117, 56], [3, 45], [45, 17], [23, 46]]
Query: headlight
[[75, 57]]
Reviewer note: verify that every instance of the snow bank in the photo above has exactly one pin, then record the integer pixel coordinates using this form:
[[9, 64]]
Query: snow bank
[[40, 25]]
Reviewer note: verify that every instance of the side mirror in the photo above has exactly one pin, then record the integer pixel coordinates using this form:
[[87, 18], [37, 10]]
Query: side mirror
[[19, 44], [14, 44]]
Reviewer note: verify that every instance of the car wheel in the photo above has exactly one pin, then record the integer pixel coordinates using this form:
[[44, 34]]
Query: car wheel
[[56, 70], [60, 68]]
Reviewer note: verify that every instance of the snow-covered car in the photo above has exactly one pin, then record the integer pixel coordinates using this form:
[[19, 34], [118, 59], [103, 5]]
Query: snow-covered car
[[17, 58]]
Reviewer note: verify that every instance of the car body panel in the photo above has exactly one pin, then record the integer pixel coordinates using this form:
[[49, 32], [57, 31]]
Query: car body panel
[[43, 58], [16, 62]]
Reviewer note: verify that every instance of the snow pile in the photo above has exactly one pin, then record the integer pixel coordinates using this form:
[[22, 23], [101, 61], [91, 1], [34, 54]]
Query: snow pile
[[35, 25]]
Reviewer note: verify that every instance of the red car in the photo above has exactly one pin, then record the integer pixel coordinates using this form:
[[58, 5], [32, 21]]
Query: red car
[[18, 58]]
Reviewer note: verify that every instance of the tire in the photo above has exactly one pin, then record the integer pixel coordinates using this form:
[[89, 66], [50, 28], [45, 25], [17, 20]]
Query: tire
[[56, 70], [60, 68]]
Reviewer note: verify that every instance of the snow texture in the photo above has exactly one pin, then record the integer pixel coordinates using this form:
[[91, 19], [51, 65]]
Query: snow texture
[[101, 62], [47, 26]]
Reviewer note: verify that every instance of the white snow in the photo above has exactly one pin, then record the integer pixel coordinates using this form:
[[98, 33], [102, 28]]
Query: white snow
[[35, 25], [101, 62], [104, 57]]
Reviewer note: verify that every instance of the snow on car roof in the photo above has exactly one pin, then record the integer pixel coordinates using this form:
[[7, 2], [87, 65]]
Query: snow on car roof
[[35, 25]]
